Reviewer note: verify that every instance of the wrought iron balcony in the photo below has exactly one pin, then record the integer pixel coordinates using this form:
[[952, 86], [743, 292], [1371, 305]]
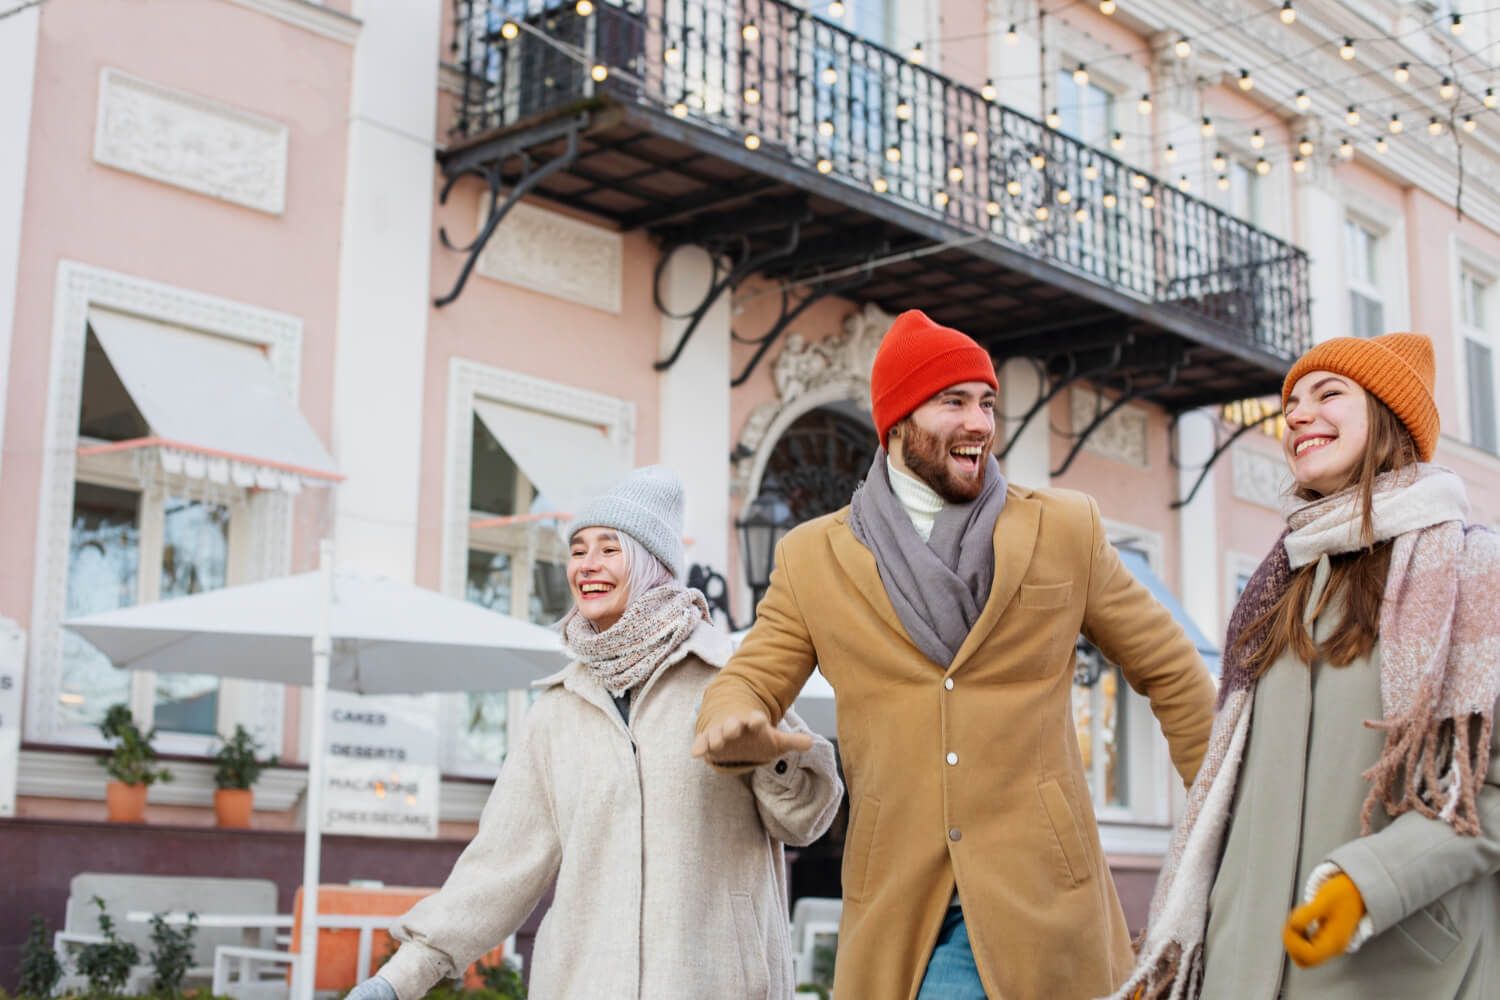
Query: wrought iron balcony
[[811, 156]]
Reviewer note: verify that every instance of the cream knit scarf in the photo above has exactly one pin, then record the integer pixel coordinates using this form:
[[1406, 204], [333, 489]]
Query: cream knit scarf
[[630, 651], [1439, 681]]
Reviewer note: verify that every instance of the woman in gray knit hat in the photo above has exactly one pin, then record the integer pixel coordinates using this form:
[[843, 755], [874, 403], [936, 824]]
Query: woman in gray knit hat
[[669, 876]]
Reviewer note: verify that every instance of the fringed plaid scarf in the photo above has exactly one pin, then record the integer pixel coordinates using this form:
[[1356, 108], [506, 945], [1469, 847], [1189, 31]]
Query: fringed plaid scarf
[[1439, 681]]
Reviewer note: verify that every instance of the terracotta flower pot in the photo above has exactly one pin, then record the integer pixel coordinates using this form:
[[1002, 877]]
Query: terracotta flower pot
[[232, 807], [126, 803]]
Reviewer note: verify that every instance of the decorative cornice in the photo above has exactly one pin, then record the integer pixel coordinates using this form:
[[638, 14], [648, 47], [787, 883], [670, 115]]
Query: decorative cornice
[[313, 17]]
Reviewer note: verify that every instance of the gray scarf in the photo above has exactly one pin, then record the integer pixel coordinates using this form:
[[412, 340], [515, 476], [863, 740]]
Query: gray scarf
[[940, 586]]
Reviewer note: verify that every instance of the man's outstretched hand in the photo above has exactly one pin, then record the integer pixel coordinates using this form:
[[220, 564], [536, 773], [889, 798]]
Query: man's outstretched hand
[[750, 740]]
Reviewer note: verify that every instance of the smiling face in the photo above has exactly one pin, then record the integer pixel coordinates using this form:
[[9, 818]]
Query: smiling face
[[598, 575], [946, 441], [1328, 426]]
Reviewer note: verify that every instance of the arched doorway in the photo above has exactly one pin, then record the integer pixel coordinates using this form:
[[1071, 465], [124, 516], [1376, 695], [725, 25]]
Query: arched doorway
[[819, 460]]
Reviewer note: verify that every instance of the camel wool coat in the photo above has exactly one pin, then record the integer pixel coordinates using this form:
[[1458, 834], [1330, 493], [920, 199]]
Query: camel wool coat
[[670, 880], [971, 776]]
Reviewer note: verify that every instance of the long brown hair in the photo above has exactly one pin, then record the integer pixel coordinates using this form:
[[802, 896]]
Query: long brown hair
[[1358, 576]]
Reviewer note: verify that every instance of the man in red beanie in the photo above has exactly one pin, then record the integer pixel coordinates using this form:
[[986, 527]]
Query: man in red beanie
[[942, 605]]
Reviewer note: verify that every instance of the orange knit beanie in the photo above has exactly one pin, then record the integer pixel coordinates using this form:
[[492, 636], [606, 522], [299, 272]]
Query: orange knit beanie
[[917, 360], [1397, 369]]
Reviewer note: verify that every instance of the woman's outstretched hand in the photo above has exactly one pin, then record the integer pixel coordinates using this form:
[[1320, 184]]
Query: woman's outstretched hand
[[745, 741], [1321, 929]]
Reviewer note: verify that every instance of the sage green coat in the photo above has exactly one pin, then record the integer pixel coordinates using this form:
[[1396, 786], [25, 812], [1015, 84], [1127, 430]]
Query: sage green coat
[[1433, 895]]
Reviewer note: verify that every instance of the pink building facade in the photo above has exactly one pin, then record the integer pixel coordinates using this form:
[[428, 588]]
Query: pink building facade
[[1090, 189]]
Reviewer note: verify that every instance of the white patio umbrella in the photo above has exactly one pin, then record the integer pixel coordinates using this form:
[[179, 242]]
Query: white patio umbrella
[[814, 703], [345, 631]]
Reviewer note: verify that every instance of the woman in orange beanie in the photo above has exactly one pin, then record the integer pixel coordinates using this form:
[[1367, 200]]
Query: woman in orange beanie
[[1342, 839]]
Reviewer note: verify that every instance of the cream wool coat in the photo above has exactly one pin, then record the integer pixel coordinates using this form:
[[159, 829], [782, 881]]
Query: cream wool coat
[[670, 881], [972, 776]]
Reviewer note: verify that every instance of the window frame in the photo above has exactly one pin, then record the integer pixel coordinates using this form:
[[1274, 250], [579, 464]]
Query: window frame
[[1366, 287]]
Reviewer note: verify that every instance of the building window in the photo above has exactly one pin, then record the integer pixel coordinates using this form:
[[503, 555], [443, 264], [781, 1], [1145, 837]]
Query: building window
[[1479, 360], [1087, 111], [1244, 195], [1362, 271]]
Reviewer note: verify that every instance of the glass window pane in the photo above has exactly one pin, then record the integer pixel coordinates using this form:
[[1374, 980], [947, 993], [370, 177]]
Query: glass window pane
[[1481, 365], [550, 596], [1098, 717], [103, 561], [194, 559], [482, 729], [492, 475], [489, 583], [1367, 315]]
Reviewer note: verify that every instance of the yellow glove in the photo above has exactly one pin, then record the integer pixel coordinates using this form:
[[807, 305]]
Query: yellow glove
[[1323, 928]]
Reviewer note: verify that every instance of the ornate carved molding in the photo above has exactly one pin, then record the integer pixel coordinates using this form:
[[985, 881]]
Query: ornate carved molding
[[551, 253], [809, 374], [78, 288], [1124, 437], [191, 142], [1259, 478]]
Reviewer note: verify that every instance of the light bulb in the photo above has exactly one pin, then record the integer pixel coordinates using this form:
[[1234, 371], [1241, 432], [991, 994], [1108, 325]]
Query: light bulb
[[1257, 141], [916, 55], [1263, 166], [752, 95], [1138, 181], [600, 72], [1183, 48], [509, 30], [1091, 172], [1305, 146], [672, 56], [1144, 104], [1299, 165], [1011, 37], [1207, 128], [1148, 200], [1183, 184], [836, 9], [1303, 101], [1490, 100], [1346, 149], [1434, 126], [1038, 161], [1107, 7], [830, 76], [956, 174], [1247, 82], [1381, 146], [971, 137], [1012, 188], [1043, 213], [893, 154], [825, 128], [1396, 125], [1053, 119], [1469, 123], [1288, 13], [1221, 162], [1223, 182], [1346, 51], [941, 199], [1109, 199], [1456, 26], [992, 208], [1081, 215], [825, 166], [1402, 73], [680, 110], [1117, 142], [880, 185], [988, 90], [750, 32], [1446, 90], [903, 111], [1081, 76], [1064, 196], [1352, 115], [752, 141], [1170, 153], [583, 8]]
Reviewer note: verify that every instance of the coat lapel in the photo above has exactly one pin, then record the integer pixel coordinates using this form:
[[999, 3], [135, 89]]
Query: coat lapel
[[858, 563], [1015, 540]]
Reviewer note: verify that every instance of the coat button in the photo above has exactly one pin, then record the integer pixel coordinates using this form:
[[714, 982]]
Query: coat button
[[952, 757], [948, 683], [955, 834], [781, 767]]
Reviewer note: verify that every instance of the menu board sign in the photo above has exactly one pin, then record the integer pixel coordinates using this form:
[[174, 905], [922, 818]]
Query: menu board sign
[[381, 766]]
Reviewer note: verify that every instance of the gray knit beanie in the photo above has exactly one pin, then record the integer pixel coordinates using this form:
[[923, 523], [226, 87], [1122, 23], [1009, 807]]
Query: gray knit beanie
[[647, 506]]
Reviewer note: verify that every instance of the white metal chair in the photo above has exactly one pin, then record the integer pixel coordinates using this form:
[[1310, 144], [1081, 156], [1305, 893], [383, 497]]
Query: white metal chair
[[815, 921]]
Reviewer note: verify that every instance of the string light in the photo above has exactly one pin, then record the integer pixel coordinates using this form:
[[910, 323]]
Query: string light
[[1109, 199], [1469, 123], [1053, 119], [1138, 181], [680, 110], [830, 76], [1352, 115], [971, 137], [1081, 215], [1091, 172], [1490, 100], [583, 8], [916, 55], [1012, 188], [893, 154], [836, 9], [1402, 73], [1081, 75], [1183, 48], [1117, 142], [1144, 104], [825, 166], [1223, 182], [1011, 37], [1305, 146], [1043, 213], [752, 95], [752, 141], [1038, 161], [992, 208], [1148, 200], [825, 128], [1107, 7], [1381, 146], [1396, 126], [1346, 51], [509, 30], [1170, 154], [750, 32], [988, 90], [956, 174], [600, 73], [1207, 128], [941, 199], [1346, 149], [1221, 162], [1247, 82], [903, 110], [1303, 101], [672, 56], [1434, 126], [1456, 25], [1446, 90], [1064, 196], [1299, 165], [1263, 166], [1257, 141]]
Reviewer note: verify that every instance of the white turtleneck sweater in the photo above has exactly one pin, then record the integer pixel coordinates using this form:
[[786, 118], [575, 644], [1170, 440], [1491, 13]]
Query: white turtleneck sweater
[[920, 500]]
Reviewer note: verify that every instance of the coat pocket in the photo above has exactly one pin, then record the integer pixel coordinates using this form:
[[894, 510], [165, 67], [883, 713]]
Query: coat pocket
[[858, 847], [1040, 596], [1065, 831], [755, 973], [1431, 930]]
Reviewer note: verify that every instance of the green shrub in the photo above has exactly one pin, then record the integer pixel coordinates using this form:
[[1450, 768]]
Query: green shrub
[[237, 764], [107, 965], [132, 760], [40, 969], [503, 979], [171, 954]]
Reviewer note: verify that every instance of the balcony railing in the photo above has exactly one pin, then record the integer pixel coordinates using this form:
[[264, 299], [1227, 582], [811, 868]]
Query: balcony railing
[[792, 86]]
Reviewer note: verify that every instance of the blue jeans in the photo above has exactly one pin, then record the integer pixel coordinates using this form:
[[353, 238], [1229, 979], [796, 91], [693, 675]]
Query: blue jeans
[[951, 972]]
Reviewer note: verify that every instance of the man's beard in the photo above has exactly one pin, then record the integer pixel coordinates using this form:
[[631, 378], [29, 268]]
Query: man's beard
[[926, 456]]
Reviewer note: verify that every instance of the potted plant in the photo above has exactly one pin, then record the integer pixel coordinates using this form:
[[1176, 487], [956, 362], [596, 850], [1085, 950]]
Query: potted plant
[[237, 771], [132, 765]]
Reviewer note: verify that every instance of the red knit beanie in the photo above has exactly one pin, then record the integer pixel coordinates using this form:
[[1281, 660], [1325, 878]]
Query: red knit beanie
[[917, 360]]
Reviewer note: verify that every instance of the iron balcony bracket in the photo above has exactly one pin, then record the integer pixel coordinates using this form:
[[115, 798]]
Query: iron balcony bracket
[[1133, 394], [493, 173], [1214, 456], [1073, 374]]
